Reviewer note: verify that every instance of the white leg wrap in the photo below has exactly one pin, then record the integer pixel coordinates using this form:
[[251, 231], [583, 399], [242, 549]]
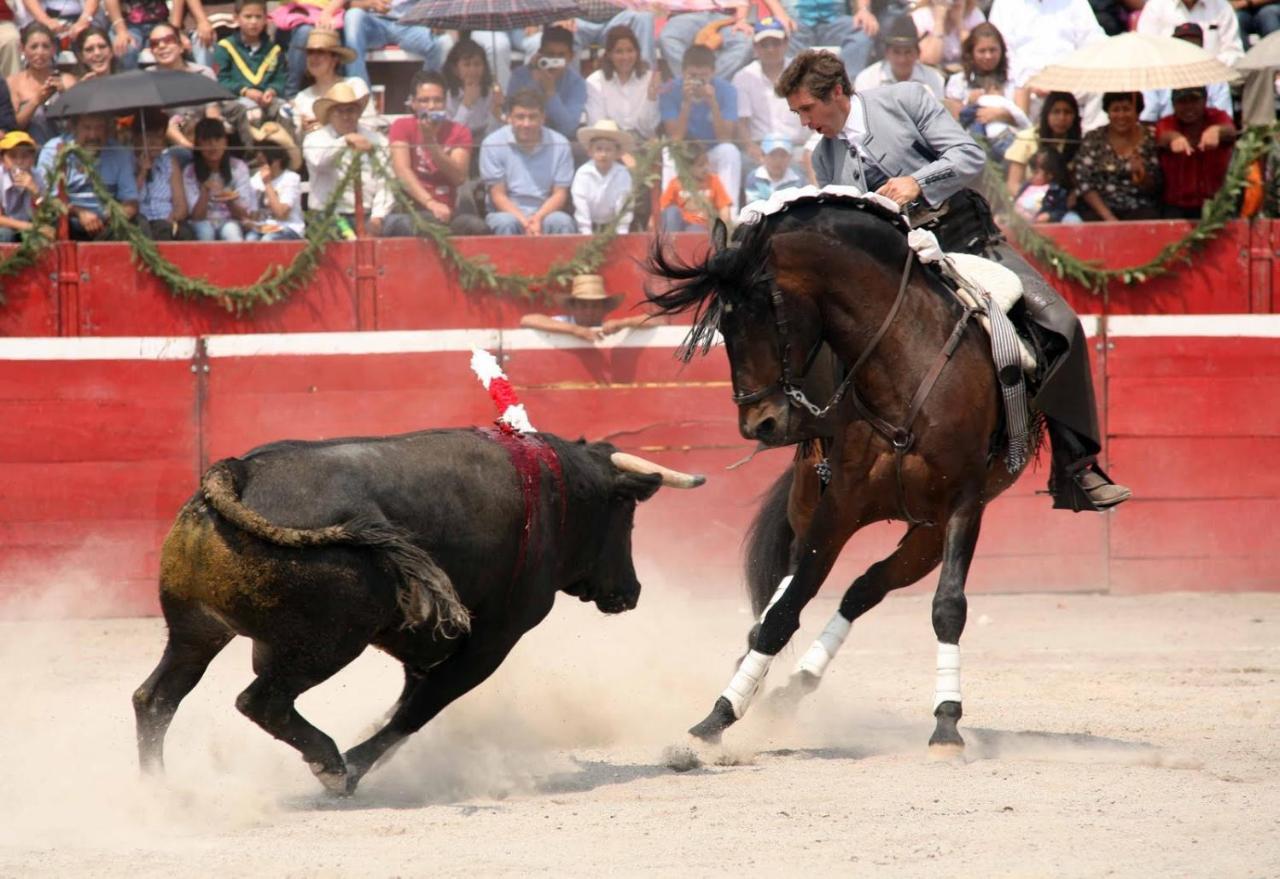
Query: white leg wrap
[[746, 681], [777, 594], [947, 689], [823, 650]]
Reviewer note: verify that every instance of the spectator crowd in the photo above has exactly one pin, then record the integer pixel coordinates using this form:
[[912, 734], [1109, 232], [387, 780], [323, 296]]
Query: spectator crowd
[[538, 131]]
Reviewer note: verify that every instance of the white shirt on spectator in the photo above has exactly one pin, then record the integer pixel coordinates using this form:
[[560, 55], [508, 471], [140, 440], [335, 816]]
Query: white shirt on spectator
[[878, 74], [288, 187], [478, 118], [626, 103], [1041, 32], [305, 101], [327, 160], [951, 46], [598, 198], [958, 88], [1216, 17], [765, 113]]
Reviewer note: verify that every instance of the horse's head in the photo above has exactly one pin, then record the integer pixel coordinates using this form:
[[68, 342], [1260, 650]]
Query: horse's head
[[772, 336]]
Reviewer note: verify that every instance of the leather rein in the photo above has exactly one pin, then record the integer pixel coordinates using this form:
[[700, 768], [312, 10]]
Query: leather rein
[[900, 438]]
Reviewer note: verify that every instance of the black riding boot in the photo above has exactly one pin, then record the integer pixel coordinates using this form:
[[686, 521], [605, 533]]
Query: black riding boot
[[1076, 481]]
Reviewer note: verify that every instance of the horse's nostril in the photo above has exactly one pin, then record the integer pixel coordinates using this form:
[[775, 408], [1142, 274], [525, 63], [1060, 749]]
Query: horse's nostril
[[765, 428]]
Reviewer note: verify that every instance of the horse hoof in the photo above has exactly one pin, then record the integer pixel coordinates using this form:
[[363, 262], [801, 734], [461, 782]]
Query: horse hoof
[[715, 723], [946, 752], [337, 782]]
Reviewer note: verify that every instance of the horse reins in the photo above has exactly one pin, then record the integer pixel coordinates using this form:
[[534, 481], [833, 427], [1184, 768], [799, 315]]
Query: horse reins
[[901, 439]]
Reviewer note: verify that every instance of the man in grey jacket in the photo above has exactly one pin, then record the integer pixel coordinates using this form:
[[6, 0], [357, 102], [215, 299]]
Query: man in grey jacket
[[900, 142]]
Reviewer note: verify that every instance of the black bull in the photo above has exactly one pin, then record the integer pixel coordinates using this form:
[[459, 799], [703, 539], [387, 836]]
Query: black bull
[[442, 548]]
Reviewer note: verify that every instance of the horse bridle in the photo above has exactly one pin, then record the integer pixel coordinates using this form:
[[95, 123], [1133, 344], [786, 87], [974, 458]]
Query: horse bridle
[[900, 438]]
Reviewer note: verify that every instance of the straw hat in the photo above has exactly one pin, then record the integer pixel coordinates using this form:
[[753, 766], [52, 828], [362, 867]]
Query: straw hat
[[609, 130], [588, 303], [274, 132], [340, 93], [328, 41]]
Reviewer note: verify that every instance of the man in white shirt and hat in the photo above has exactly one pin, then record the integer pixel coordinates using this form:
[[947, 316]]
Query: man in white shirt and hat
[[328, 157], [601, 187]]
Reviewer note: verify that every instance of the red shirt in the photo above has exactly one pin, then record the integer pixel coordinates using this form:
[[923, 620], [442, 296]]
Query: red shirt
[[450, 136], [1190, 180]]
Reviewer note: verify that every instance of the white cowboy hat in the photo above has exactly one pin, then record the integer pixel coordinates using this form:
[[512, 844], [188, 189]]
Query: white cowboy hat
[[587, 301], [340, 93], [609, 130]]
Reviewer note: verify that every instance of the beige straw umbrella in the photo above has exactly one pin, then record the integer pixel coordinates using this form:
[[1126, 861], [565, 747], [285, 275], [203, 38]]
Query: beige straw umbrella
[[1133, 62], [1264, 55]]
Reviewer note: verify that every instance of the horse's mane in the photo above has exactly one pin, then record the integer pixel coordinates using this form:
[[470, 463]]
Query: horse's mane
[[737, 274]]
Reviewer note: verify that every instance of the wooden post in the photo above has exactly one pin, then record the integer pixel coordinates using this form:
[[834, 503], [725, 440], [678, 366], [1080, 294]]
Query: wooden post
[[358, 196]]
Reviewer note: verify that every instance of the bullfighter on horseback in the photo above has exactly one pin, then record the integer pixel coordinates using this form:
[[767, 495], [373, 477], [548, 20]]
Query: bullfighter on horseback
[[900, 142]]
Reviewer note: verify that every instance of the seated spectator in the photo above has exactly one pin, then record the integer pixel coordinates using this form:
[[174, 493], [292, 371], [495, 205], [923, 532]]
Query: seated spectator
[[294, 20], [165, 43], [1058, 128], [1260, 18], [901, 62], [776, 172], [94, 56], [943, 28], [219, 197], [375, 24], [250, 66], [472, 98], [552, 70], [430, 155], [1116, 16], [824, 23], [685, 211], [590, 28], [162, 203], [684, 30], [65, 18], [1044, 197], [761, 113], [1159, 102], [19, 188], [1038, 33], [38, 83], [584, 313], [1117, 170], [10, 43], [703, 108], [1195, 152], [115, 167], [982, 95], [131, 23], [602, 187], [528, 168], [329, 151], [625, 88], [277, 191], [1217, 18], [324, 56]]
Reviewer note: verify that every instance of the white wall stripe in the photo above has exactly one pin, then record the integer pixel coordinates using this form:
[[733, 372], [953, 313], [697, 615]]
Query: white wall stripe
[[390, 342], [1257, 326], [98, 348]]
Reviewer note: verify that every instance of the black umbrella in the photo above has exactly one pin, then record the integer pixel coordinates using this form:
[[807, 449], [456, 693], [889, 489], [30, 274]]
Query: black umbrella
[[138, 90]]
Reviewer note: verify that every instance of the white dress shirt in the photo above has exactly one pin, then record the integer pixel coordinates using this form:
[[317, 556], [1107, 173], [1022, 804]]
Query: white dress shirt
[[598, 198], [1216, 17], [760, 107], [878, 74], [327, 160], [1041, 32], [626, 103]]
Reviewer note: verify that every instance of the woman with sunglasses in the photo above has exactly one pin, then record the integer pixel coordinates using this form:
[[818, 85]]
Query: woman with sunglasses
[[165, 44], [94, 55]]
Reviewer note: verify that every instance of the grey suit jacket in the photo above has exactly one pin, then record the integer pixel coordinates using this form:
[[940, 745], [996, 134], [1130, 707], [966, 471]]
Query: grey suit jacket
[[910, 134]]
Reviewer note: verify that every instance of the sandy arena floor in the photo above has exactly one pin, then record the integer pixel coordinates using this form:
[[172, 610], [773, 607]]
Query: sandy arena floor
[[1107, 737]]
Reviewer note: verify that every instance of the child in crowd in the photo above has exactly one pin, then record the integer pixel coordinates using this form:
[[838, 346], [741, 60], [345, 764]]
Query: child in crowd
[[254, 69], [989, 92], [277, 190], [19, 188], [777, 173], [681, 211], [161, 199], [1043, 198], [602, 186], [216, 186]]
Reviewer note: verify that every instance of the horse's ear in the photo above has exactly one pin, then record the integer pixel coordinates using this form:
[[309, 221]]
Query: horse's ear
[[719, 235]]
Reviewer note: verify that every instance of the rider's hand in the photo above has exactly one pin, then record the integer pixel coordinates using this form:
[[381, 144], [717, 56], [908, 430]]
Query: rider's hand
[[902, 190]]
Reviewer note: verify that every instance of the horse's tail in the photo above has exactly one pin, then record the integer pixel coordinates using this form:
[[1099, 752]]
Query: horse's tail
[[768, 556]]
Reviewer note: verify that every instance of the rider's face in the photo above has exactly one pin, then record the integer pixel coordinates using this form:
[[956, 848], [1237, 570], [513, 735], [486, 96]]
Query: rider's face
[[825, 117]]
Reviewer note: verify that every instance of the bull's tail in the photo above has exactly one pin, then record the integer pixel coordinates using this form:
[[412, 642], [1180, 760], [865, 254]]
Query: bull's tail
[[425, 589], [768, 555]]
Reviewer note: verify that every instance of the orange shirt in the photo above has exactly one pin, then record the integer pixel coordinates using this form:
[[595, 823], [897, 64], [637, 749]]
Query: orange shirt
[[713, 192]]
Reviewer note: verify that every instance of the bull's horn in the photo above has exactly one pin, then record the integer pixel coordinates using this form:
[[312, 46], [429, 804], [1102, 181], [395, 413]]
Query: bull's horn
[[670, 478]]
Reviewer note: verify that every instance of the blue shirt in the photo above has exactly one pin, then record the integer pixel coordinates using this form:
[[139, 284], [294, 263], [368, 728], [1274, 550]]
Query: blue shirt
[[811, 12], [155, 202], [564, 108], [529, 176], [700, 127], [115, 167]]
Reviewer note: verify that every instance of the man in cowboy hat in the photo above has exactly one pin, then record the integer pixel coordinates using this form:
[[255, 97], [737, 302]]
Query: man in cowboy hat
[[431, 155], [901, 62], [584, 312], [329, 151], [900, 142], [602, 187]]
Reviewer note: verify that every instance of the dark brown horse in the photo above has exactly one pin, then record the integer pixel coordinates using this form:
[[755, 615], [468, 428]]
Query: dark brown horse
[[909, 432]]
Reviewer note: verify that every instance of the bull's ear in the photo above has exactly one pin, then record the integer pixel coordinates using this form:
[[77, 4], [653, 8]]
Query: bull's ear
[[719, 236], [637, 486]]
